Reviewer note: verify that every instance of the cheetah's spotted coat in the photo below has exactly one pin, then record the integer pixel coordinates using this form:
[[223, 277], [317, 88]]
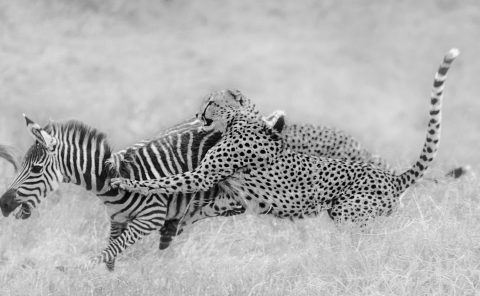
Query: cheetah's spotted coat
[[251, 161]]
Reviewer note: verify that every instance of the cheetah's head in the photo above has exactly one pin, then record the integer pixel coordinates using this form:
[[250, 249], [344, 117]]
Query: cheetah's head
[[221, 107]]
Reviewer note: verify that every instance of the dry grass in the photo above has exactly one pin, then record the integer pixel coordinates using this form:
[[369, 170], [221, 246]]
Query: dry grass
[[430, 247], [131, 68]]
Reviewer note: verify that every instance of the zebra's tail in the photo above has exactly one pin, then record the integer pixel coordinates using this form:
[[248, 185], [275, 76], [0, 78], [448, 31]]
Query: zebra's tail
[[431, 144], [7, 153]]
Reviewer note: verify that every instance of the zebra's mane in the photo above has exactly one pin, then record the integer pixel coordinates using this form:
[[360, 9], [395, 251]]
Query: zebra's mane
[[82, 130]]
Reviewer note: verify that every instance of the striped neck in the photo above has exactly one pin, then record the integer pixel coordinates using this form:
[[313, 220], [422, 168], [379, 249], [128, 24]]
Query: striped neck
[[81, 154]]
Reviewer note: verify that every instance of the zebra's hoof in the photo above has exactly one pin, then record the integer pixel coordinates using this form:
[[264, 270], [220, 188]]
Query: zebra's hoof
[[110, 266], [164, 244]]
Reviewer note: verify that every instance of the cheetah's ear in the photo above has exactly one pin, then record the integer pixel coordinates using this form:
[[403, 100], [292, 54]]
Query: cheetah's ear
[[239, 97], [279, 124], [275, 121], [40, 134]]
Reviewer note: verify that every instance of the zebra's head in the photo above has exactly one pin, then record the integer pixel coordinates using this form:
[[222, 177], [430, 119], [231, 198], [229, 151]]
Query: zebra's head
[[38, 176], [221, 107]]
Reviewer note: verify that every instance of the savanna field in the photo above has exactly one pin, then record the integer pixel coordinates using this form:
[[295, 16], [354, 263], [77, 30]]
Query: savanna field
[[132, 68]]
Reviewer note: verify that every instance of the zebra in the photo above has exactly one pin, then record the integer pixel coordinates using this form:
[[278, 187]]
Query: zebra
[[72, 152]]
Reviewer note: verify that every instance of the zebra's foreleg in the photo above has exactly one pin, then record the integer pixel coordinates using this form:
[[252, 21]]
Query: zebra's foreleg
[[135, 230], [116, 229]]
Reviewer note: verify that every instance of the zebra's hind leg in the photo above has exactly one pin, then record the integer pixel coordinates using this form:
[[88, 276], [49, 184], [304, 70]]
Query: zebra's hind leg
[[167, 232], [116, 229]]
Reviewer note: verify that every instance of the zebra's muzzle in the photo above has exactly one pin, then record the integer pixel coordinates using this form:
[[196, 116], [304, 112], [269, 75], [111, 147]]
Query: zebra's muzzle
[[8, 203]]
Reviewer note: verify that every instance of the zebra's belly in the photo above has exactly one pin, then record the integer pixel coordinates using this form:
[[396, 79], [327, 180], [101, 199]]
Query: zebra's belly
[[128, 206]]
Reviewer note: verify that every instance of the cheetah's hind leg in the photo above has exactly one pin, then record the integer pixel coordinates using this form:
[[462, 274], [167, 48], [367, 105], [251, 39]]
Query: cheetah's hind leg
[[360, 209]]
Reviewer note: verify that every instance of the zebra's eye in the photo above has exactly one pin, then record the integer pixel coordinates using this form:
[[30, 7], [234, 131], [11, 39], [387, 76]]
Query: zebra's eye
[[36, 169]]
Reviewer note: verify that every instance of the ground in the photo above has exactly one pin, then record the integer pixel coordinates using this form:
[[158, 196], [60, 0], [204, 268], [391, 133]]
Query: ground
[[131, 68]]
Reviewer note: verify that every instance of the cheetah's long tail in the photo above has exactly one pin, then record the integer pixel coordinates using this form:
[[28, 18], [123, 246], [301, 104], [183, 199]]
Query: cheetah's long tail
[[7, 153], [430, 147]]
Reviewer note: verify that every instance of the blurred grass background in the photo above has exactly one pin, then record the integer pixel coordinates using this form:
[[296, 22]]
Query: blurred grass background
[[130, 68], [133, 67]]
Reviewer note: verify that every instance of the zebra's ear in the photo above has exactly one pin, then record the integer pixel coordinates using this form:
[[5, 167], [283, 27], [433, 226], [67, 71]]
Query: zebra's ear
[[40, 134]]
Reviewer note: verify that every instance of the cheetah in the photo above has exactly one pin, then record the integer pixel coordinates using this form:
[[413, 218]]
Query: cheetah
[[252, 162], [325, 141]]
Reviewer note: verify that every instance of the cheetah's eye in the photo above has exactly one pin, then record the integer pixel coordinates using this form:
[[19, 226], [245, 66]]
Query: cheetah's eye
[[36, 169], [208, 121]]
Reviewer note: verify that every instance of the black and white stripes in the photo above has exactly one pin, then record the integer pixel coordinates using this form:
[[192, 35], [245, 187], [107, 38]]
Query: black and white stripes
[[81, 154], [73, 152]]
